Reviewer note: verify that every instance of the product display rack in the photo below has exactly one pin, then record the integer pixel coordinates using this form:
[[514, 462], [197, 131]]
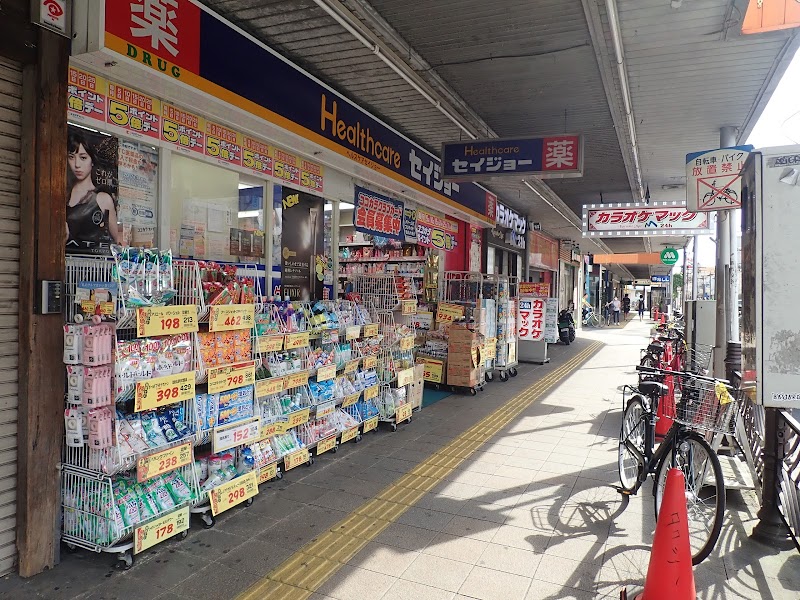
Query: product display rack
[[504, 361], [359, 256]]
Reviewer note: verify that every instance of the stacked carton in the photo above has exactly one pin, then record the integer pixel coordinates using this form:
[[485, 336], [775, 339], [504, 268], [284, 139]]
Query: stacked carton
[[463, 356]]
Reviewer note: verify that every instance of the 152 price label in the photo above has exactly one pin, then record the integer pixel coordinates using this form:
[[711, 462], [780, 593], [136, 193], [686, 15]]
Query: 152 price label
[[162, 462], [166, 320], [230, 377], [232, 317], [226, 438], [232, 493], [157, 531], [163, 391]]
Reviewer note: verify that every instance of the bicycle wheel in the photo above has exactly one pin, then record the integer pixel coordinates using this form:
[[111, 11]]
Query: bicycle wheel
[[593, 320], [651, 361], [705, 491], [633, 432]]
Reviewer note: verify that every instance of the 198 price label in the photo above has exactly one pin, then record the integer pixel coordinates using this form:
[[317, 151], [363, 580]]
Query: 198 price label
[[232, 493], [166, 320], [162, 391], [161, 529], [232, 317]]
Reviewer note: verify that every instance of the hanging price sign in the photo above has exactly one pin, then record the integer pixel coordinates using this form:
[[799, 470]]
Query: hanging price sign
[[352, 333], [232, 317], [327, 372], [349, 434], [405, 377], [402, 413], [166, 320], [270, 429], [489, 350], [270, 343], [408, 307], [434, 371], [267, 473], [162, 391], [138, 114], [351, 399], [447, 313], [226, 438], [161, 529], [324, 445], [232, 493], [323, 410], [351, 367], [370, 362], [230, 377], [370, 392], [295, 459], [370, 424], [407, 343], [371, 330], [269, 387], [296, 340], [162, 462], [296, 380], [298, 417]]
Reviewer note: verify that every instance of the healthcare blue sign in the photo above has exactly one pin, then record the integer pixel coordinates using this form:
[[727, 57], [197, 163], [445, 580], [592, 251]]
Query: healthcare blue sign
[[659, 278], [545, 157]]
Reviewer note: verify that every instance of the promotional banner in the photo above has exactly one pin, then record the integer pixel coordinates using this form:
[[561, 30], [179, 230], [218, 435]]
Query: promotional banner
[[138, 192], [92, 192], [638, 219], [86, 97], [302, 242], [551, 321], [376, 214], [532, 319], [410, 225], [436, 232]]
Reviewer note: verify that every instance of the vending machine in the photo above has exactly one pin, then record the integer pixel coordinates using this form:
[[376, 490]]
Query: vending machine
[[771, 277]]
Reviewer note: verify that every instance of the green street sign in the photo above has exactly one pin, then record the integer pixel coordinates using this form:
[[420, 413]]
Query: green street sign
[[669, 256]]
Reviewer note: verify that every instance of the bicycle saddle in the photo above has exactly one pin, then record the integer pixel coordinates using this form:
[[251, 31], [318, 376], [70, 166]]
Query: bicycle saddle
[[656, 348], [652, 389]]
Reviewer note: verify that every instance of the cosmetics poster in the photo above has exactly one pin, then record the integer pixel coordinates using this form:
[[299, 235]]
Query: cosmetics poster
[[138, 191], [302, 241], [92, 193]]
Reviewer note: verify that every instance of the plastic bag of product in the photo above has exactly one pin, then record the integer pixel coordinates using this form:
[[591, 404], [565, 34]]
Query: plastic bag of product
[[147, 508], [167, 428], [160, 495], [178, 488], [128, 505]]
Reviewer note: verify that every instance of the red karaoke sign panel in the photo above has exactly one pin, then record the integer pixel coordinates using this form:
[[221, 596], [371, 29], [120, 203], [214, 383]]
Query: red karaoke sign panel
[[531, 319]]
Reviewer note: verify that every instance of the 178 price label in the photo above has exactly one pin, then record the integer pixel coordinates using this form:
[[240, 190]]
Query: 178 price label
[[232, 493], [230, 377], [295, 459], [162, 391], [232, 317], [162, 462], [161, 529], [166, 320]]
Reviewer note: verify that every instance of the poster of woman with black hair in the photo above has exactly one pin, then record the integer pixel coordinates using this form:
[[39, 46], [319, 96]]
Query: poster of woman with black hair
[[92, 190]]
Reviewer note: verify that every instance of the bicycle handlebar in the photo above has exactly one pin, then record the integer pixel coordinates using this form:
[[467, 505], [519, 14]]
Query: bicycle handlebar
[[655, 371]]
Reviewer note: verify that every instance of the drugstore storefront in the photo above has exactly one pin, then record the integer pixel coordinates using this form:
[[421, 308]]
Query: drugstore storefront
[[505, 243]]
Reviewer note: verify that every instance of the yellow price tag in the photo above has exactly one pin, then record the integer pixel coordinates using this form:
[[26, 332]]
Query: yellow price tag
[[405, 377], [402, 413], [162, 391], [230, 377], [324, 445], [350, 400], [370, 362], [351, 367], [353, 333], [371, 330], [447, 313], [232, 317], [269, 387], [323, 410], [434, 371], [267, 431], [295, 459], [489, 350], [232, 493], [267, 473], [270, 343], [166, 320], [298, 418], [370, 424], [407, 343], [371, 392], [161, 529], [349, 434], [162, 462], [296, 380], [327, 372], [408, 307], [232, 436], [296, 340]]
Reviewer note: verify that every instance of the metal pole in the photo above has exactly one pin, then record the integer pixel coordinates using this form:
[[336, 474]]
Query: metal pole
[[727, 137], [695, 269], [735, 268]]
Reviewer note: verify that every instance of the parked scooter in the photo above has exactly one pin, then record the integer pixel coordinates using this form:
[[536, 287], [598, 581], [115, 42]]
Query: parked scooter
[[566, 326]]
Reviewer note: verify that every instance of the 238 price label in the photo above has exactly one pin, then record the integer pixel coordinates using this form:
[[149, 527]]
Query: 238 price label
[[162, 462], [162, 391]]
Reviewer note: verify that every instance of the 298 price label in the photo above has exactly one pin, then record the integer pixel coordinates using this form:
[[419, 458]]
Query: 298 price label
[[232, 317], [161, 529], [232, 493], [166, 320], [162, 391]]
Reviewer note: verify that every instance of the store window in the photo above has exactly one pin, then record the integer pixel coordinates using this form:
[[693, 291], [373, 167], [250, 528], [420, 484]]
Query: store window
[[215, 214]]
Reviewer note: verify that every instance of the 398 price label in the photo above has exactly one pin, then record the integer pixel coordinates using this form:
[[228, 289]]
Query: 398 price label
[[162, 462], [232, 493], [232, 317], [162, 391], [157, 531], [166, 320]]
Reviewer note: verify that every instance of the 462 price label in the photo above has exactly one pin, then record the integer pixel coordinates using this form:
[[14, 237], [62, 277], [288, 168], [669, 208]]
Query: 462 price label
[[162, 391], [161, 529], [162, 462], [232, 493], [232, 317], [230, 377], [166, 320]]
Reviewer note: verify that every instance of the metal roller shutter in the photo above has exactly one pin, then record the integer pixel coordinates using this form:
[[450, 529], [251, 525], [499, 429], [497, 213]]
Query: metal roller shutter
[[10, 133]]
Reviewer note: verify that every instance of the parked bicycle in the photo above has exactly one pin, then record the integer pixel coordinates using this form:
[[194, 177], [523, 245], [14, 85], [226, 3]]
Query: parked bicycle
[[706, 407], [592, 319]]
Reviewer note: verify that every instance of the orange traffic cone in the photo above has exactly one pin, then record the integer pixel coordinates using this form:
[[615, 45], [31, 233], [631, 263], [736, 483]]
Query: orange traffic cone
[[669, 575]]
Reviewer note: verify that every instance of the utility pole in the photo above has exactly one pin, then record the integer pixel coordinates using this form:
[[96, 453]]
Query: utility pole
[[695, 269], [727, 138]]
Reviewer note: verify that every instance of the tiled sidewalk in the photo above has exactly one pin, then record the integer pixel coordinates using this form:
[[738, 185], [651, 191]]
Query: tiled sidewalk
[[531, 515]]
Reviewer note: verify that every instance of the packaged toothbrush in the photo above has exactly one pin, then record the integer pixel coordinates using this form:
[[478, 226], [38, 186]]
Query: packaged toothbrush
[[155, 436], [167, 427], [176, 420]]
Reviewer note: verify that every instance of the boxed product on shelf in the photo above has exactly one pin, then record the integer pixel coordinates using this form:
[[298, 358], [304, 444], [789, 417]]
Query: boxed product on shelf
[[224, 347], [234, 405]]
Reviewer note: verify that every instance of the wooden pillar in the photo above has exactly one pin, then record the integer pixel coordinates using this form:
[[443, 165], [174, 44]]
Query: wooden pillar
[[42, 240]]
